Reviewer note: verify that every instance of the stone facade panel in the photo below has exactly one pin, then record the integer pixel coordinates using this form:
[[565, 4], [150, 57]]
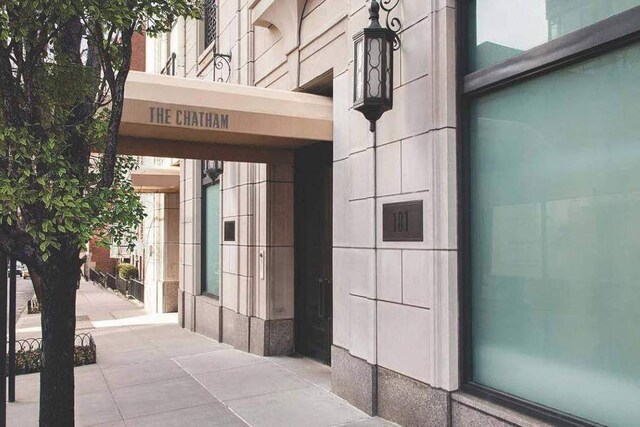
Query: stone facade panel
[[389, 169], [361, 174], [404, 340], [417, 163], [362, 337], [235, 329], [389, 272], [418, 278], [416, 55], [208, 317], [354, 380], [464, 416], [409, 402]]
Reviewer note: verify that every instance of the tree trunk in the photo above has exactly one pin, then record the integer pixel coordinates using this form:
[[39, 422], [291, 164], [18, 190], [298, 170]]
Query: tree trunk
[[58, 333]]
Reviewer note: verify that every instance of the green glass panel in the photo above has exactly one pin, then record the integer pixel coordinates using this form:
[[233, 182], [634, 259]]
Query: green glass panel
[[211, 244], [501, 29], [555, 239]]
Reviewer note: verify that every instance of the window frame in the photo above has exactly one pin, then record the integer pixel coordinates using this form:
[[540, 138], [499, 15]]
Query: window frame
[[206, 181], [586, 43]]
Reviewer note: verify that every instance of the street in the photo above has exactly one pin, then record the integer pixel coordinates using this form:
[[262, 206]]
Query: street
[[24, 291]]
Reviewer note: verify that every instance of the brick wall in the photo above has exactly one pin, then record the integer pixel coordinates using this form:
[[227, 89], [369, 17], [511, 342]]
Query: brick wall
[[138, 53], [101, 258]]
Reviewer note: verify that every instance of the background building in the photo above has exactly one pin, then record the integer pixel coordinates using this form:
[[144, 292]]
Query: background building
[[157, 251]]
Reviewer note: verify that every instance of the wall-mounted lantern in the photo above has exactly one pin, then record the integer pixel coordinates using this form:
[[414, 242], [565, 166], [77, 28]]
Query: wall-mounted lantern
[[373, 65], [212, 169]]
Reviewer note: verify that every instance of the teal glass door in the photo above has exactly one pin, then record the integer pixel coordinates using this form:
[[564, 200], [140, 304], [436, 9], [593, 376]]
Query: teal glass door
[[211, 240]]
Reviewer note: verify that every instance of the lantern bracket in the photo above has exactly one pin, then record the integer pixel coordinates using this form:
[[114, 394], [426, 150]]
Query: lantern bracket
[[393, 22], [221, 64]]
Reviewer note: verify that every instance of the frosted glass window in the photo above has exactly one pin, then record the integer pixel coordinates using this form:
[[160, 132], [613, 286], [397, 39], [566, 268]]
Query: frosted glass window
[[211, 244], [501, 29], [374, 80], [555, 239], [359, 74]]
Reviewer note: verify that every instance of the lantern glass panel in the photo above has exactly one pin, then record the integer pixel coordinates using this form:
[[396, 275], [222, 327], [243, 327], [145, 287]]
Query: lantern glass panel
[[388, 69], [374, 62], [359, 71]]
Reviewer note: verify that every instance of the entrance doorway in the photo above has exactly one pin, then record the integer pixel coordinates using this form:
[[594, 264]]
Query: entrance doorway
[[313, 195]]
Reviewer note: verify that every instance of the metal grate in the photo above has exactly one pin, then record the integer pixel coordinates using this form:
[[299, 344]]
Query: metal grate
[[210, 21]]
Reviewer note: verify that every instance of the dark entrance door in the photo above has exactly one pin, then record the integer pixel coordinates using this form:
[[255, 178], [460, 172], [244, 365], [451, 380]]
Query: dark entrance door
[[313, 240]]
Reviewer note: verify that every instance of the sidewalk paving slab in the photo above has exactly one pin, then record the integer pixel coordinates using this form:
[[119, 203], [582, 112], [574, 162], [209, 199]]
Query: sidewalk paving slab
[[312, 371], [247, 381], [309, 407], [142, 373], [150, 372], [227, 358], [154, 398], [210, 414]]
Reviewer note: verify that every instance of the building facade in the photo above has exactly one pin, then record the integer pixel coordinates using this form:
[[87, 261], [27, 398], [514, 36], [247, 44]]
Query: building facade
[[512, 137], [156, 254]]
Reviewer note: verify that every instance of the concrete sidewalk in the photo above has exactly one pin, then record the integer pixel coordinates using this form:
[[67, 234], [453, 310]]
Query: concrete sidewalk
[[150, 372]]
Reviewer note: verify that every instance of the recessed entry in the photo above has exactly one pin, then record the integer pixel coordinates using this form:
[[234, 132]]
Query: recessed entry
[[229, 231]]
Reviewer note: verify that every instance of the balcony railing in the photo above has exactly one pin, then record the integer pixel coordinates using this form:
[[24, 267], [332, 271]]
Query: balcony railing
[[170, 67]]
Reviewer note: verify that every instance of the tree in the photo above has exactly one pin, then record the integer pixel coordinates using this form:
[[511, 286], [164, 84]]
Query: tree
[[63, 68]]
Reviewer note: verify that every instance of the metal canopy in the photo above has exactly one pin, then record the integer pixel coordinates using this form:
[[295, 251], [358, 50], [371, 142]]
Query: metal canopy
[[167, 116]]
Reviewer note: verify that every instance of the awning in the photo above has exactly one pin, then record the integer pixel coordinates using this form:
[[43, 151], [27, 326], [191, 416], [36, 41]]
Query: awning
[[166, 116], [156, 180]]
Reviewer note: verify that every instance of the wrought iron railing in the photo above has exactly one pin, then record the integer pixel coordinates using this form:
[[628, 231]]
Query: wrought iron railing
[[110, 281], [136, 290], [96, 276], [127, 287], [29, 353], [170, 67], [122, 285]]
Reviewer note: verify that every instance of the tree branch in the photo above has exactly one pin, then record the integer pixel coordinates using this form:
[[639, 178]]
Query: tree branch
[[17, 244], [117, 98]]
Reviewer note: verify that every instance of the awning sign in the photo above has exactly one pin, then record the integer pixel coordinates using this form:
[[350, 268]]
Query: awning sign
[[188, 118]]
